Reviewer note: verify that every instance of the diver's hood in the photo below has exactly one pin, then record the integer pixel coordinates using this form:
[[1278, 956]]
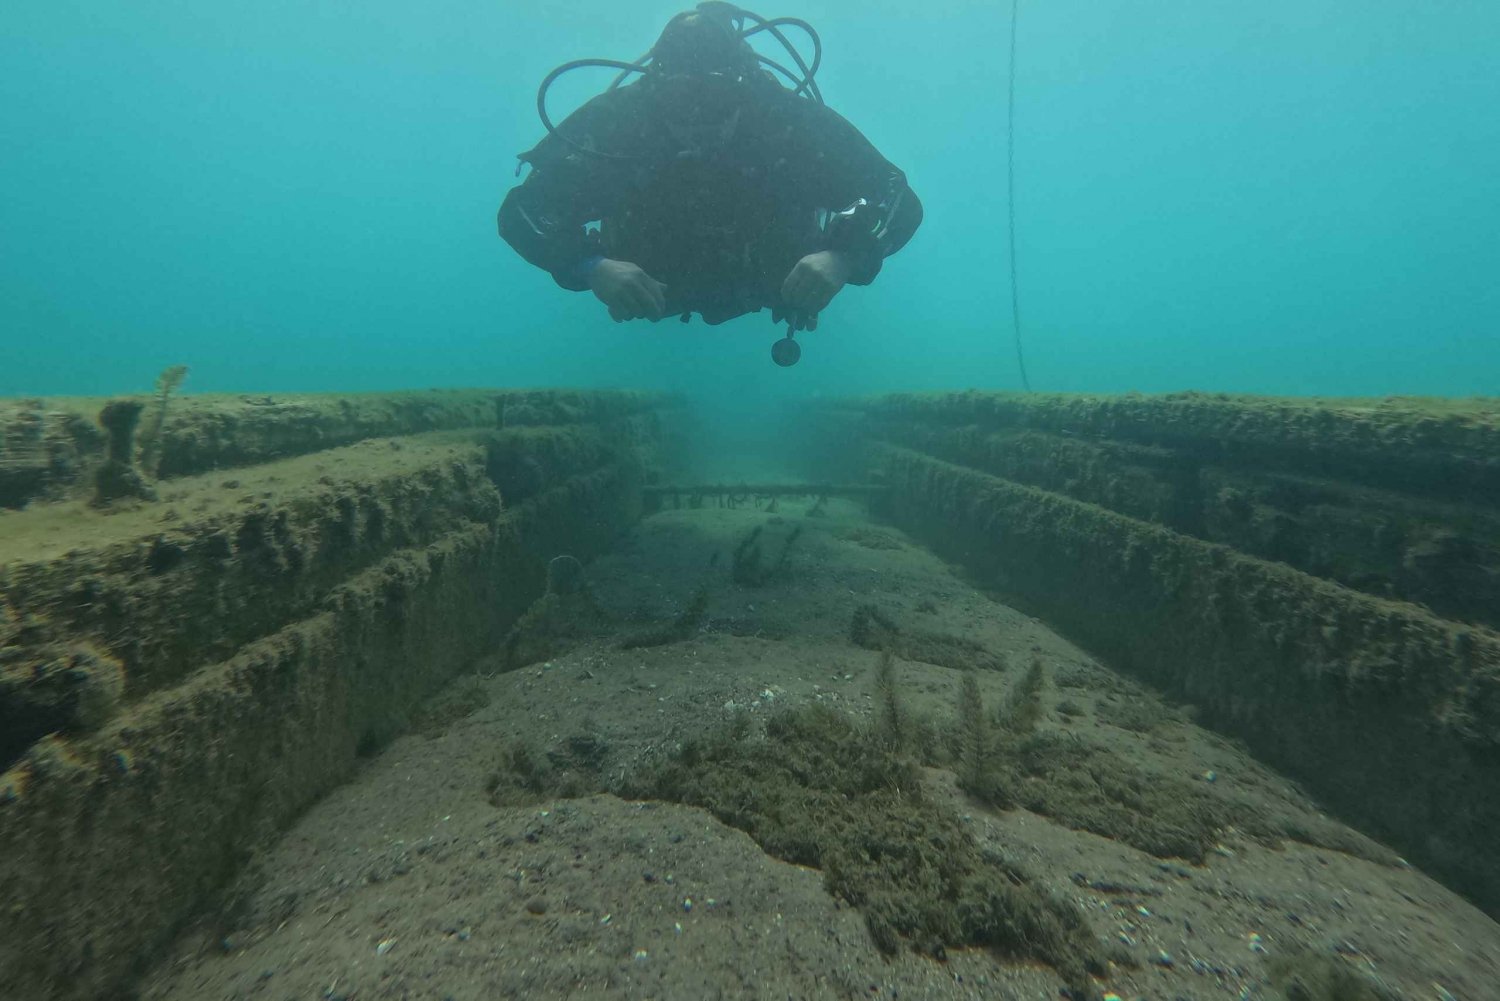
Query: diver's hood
[[699, 79], [703, 43]]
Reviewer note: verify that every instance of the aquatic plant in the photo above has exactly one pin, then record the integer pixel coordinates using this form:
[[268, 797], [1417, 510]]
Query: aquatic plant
[[686, 624], [565, 575], [984, 749], [1003, 761], [745, 561], [786, 550], [566, 612], [747, 567], [458, 701], [973, 735], [1006, 759], [1311, 976], [876, 629], [151, 435], [871, 538], [568, 770], [1022, 711], [520, 775], [117, 477], [892, 716]]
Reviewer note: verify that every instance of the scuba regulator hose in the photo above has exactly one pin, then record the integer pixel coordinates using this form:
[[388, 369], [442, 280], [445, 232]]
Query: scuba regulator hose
[[805, 86]]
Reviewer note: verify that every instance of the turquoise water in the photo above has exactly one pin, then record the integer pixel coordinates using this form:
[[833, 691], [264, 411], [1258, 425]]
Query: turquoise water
[[1291, 196]]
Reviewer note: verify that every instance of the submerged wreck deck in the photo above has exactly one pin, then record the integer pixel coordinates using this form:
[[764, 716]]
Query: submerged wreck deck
[[290, 705]]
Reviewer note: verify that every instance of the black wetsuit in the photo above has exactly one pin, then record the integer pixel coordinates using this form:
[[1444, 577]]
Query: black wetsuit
[[715, 190]]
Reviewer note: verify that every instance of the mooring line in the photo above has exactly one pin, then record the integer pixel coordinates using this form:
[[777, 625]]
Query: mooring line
[[1010, 182]]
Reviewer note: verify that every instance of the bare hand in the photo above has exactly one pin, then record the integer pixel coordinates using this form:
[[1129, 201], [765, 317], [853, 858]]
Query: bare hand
[[814, 282], [628, 291]]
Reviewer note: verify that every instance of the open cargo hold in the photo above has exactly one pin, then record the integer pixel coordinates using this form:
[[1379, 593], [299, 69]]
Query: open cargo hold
[[184, 671]]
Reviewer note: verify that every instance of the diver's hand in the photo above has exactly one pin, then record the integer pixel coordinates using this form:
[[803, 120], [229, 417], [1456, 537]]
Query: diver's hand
[[628, 291], [815, 280]]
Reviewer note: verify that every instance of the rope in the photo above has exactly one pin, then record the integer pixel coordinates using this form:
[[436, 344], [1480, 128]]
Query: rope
[[1010, 182]]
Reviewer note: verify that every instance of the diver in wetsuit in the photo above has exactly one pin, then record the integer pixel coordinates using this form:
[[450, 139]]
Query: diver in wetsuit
[[715, 189]]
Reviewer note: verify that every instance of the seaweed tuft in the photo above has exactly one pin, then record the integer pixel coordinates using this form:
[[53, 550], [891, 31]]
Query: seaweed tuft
[[151, 437], [818, 789], [118, 478], [1311, 976], [1022, 711], [568, 770], [892, 719], [874, 628], [749, 566], [685, 625]]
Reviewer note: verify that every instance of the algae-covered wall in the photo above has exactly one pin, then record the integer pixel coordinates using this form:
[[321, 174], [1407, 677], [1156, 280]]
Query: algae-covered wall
[[1321, 577], [182, 671]]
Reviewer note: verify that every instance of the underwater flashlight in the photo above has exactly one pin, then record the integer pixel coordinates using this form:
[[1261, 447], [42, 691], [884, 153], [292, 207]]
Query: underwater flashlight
[[786, 351]]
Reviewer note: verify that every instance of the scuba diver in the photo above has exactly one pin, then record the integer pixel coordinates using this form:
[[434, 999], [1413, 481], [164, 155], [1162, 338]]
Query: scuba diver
[[708, 186]]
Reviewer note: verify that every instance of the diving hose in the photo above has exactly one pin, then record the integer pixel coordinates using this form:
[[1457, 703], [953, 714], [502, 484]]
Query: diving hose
[[805, 86]]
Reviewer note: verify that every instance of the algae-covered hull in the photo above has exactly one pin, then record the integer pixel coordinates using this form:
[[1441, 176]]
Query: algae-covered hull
[[185, 671]]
